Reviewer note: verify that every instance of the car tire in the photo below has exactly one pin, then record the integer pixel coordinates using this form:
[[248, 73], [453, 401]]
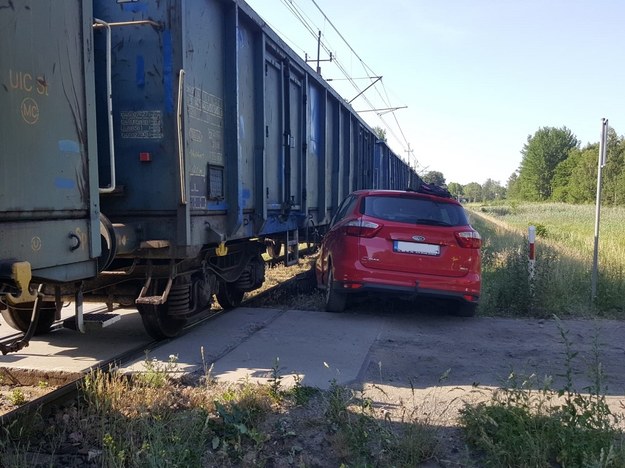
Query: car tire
[[463, 309], [335, 300]]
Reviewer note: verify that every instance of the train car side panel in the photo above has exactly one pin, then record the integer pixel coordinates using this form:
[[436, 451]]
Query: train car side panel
[[48, 184]]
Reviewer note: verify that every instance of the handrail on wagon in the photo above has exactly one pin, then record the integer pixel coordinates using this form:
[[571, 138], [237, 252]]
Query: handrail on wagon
[[102, 24], [109, 104], [181, 163]]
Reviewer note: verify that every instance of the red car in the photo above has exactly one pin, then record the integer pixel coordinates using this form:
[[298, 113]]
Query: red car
[[400, 242]]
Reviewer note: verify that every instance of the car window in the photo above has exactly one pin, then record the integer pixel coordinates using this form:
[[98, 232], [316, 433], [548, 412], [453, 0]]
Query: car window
[[345, 207], [415, 210]]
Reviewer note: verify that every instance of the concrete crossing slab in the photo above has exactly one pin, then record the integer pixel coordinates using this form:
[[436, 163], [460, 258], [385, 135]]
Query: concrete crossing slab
[[246, 344]]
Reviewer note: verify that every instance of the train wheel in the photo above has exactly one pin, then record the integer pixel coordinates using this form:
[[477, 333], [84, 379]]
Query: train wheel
[[18, 316], [202, 293], [274, 248], [229, 296], [158, 319]]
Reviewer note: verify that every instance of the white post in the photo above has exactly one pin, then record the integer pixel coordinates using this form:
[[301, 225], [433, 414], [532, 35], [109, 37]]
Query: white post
[[603, 143]]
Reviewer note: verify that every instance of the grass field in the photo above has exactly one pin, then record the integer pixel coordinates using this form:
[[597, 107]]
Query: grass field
[[564, 245]]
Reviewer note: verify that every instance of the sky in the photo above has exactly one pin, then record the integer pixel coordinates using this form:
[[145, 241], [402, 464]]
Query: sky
[[477, 77]]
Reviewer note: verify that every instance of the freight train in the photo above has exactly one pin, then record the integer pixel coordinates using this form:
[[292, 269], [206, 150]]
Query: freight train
[[151, 151]]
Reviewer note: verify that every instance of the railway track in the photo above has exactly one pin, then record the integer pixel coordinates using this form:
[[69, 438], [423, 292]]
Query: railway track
[[67, 384]]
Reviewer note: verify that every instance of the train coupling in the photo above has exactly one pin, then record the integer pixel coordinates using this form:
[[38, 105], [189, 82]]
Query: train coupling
[[13, 345], [21, 274]]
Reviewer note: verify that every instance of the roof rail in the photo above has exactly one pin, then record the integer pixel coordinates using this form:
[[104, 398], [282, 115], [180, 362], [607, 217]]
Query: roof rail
[[430, 189]]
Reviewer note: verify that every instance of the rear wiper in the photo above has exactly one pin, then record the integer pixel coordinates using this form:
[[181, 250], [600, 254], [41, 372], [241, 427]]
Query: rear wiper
[[432, 222]]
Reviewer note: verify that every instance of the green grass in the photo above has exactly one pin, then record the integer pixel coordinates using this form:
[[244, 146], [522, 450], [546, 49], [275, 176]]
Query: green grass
[[571, 225], [564, 252]]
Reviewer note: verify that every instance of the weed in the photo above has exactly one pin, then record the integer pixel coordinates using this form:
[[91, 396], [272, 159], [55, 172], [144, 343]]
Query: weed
[[207, 378], [127, 422], [275, 381], [104, 392], [586, 420], [17, 397], [156, 373], [507, 285], [14, 446], [366, 439], [541, 230], [338, 398], [301, 394]]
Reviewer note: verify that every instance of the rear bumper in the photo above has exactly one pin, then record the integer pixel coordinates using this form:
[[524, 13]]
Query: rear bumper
[[360, 281]]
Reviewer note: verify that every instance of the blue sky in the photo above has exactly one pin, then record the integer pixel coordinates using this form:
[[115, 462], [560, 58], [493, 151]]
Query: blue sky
[[477, 76]]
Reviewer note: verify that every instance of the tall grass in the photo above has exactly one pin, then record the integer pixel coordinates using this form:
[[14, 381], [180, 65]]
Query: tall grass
[[570, 225], [565, 239]]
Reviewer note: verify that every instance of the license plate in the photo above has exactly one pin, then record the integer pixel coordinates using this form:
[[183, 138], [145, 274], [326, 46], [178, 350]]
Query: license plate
[[416, 248]]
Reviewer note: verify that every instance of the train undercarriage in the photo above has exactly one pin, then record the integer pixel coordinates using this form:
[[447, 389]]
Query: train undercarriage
[[166, 292]]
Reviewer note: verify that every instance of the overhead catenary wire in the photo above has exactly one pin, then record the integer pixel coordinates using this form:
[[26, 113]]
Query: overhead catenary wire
[[304, 19], [367, 69], [314, 30]]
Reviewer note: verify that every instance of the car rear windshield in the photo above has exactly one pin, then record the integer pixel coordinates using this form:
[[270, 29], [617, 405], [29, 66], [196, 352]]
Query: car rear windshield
[[414, 210]]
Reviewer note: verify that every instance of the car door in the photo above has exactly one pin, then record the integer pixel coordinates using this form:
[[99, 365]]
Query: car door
[[332, 239]]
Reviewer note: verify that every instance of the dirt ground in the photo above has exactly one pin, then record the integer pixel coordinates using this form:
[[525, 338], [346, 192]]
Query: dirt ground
[[418, 347], [441, 362]]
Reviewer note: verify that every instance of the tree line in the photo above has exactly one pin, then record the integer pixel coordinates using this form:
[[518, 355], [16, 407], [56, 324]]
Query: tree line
[[554, 167], [472, 192]]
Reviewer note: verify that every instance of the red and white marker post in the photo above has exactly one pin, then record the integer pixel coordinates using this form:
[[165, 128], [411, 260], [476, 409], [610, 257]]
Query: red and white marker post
[[531, 237]]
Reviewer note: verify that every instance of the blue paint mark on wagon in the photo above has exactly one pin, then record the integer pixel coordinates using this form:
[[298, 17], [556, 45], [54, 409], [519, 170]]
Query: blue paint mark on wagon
[[63, 183], [135, 7], [217, 206], [69, 146], [140, 73]]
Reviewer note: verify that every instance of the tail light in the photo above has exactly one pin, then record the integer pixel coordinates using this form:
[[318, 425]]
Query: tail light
[[469, 239], [360, 228]]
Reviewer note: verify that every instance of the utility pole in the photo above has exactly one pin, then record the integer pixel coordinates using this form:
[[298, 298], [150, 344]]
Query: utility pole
[[318, 52], [602, 160], [318, 60], [410, 153]]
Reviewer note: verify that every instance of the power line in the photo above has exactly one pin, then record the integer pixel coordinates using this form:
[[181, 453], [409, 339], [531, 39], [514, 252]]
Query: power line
[[304, 19], [366, 68], [314, 31]]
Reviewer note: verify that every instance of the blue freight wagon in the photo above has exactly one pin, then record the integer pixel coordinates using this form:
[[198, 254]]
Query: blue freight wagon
[[174, 142]]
